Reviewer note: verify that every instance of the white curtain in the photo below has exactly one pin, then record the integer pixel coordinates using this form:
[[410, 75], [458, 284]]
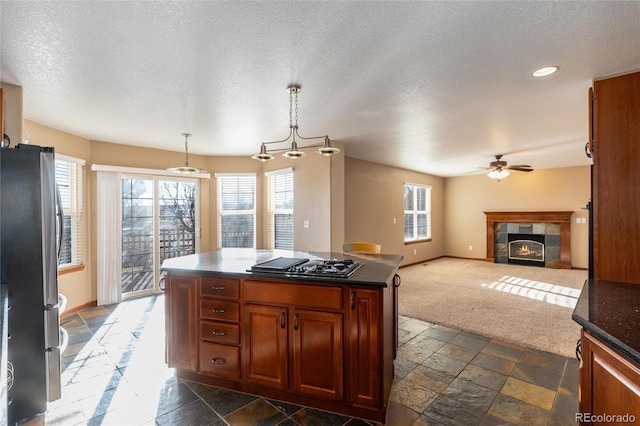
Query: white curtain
[[109, 238]]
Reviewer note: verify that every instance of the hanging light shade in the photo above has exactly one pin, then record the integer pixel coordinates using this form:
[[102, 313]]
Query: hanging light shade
[[263, 155], [294, 152], [325, 149], [186, 169]]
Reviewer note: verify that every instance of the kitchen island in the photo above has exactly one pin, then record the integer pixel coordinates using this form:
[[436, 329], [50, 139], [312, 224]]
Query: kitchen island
[[323, 341]]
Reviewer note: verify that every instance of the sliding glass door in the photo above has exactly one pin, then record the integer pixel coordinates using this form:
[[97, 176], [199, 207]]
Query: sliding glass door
[[159, 221]]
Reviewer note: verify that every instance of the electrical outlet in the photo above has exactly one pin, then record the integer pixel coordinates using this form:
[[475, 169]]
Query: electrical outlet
[[394, 220], [306, 224], [583, 220], [470, 247], [577, 220], [415, 251]]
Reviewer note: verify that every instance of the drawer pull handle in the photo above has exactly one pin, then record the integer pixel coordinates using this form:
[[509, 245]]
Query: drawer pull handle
[[218, 311], [353, 301], [295, 322], [222, 287], [219, 361], [219, 333], [282, 324]]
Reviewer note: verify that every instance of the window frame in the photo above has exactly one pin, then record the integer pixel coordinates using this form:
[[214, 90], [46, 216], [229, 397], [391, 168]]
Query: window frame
[[415, 212], [73, 209], [221, 212]]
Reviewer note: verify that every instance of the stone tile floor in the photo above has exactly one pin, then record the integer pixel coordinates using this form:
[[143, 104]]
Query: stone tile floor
[[115, 374]]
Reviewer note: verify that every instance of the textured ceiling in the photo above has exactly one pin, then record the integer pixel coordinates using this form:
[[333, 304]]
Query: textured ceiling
[[436, 87]]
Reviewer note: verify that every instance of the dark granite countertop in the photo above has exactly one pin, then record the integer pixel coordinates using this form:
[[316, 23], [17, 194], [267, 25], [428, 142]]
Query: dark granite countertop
[[377, 270], [610, 311]]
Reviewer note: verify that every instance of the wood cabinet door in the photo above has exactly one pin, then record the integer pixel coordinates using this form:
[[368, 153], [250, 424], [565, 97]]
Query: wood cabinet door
[[609, 383], [616, 173], [183, 327], [365, 347], [317, 353], [264, 345]]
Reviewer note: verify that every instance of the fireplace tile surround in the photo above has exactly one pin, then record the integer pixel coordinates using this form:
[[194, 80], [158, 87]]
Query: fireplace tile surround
[[555, 226]]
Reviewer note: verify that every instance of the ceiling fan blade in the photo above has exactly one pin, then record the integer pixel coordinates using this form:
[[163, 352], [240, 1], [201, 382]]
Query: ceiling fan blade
[[480, 169], [521, 168]]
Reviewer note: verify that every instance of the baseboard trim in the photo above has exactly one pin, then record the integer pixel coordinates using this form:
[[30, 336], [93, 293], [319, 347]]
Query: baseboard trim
[[474, 258], [439, 257], [79, 308]]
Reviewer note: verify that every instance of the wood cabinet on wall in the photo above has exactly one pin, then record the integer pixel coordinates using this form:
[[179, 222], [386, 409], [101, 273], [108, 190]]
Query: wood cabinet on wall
[[615, 147]]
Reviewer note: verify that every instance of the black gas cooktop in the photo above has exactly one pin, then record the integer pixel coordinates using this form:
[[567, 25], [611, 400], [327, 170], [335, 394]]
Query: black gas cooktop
[[300, 267]]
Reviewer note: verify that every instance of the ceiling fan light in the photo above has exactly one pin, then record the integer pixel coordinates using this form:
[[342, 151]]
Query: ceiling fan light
[[294, 152], [498, 174], [327, 150]]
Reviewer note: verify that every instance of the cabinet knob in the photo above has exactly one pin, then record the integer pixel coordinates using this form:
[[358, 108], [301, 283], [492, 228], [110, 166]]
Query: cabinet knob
[[221, 287], [295, 322], [218, 361], [218, 311], [219, 333]]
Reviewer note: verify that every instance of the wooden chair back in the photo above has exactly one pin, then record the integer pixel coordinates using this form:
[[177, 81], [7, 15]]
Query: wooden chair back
[[363, 248]]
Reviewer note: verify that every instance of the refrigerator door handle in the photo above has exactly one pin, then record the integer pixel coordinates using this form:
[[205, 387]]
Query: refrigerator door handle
[[60, 221]]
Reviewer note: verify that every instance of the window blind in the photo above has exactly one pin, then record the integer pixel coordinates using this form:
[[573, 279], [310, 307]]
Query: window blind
[[69, 182], [280, 214], [236, 210]]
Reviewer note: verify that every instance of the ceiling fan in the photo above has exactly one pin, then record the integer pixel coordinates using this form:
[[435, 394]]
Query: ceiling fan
[[499, 169]]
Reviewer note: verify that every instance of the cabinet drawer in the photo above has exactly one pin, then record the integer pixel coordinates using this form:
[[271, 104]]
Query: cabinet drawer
[[221, 310], [220, 360], [220, 332], [224, 288], [300, 295]]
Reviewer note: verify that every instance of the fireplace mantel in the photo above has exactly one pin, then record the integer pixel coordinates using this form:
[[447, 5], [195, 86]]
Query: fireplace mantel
[[562, 217]]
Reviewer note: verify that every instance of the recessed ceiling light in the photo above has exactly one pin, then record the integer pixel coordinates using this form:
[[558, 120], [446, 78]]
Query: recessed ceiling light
[[543, 72]]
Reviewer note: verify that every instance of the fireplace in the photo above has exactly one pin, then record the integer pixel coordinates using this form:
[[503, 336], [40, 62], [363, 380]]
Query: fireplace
[[554, 226], [526, 249]]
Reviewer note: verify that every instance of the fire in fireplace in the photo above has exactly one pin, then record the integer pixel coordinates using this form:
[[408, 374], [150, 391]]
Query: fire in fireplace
[[526, 249]]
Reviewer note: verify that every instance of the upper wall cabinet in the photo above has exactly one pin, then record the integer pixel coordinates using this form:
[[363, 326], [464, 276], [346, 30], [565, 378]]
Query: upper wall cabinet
[[615, 127]]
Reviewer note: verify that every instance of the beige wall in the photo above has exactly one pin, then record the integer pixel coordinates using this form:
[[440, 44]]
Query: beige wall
[[76, 286], [344, 199], [374, 197], [12, 111], [312, 198], [468, 197]]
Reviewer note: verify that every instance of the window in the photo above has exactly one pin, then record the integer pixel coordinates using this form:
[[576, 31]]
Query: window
[[417, 212], [69, 182], [280, 214], [236, 210]]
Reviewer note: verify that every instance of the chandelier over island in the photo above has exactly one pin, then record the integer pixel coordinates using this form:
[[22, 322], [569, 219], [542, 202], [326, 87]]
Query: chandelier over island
[[325, 148]]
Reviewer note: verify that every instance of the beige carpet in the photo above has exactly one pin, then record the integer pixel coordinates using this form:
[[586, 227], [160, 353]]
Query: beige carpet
[[520, 304]]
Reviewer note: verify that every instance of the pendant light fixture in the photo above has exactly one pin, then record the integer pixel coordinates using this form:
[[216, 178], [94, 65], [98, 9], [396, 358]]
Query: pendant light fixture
[[186, 169], [325, 149]]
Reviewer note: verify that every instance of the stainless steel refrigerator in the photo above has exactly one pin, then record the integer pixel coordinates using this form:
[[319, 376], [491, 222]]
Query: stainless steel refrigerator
[[29, 221]]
